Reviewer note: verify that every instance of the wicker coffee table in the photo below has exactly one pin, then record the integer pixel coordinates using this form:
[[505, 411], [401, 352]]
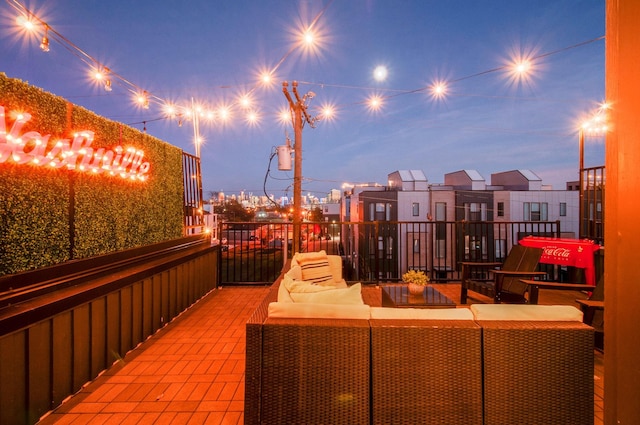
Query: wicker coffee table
[[398, 296]]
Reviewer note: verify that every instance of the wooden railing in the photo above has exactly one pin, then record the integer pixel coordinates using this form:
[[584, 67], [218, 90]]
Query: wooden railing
[[61, 326]]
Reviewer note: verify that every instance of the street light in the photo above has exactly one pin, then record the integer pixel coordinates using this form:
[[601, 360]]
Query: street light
[[298, 109]]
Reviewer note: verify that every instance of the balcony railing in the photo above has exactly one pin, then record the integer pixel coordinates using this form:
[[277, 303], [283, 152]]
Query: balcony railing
[[592, 204], [374, 251]]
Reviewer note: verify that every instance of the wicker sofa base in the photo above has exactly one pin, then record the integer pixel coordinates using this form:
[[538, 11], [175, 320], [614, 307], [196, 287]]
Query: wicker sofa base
[[426, 372], [400, 371], [321, 377], [537, 373]]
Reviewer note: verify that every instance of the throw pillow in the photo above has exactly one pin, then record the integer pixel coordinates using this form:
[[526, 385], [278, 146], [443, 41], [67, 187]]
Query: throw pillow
[[315, 268]]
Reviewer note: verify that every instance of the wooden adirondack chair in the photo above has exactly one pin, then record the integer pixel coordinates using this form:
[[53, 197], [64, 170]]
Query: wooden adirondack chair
[[502, 284]]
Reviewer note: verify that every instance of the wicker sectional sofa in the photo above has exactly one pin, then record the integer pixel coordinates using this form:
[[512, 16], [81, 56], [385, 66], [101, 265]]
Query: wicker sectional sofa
[[491, 364]]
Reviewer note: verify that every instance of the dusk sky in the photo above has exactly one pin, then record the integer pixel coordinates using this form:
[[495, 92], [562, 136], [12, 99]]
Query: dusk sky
[[212, 51]]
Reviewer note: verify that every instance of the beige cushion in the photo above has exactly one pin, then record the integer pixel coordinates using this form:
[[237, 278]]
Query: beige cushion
[[291, 282], [421, 313], [303, 285], [350, 295], [320, 311], [315, 267], [558, 313], [295, 272], [283, 294], [335, 264]]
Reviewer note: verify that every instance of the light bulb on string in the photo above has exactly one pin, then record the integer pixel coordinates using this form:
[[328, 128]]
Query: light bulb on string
[[44, 45], [327, 112], [107, 83], [143, 99], [25, 23], [438, 90], [380, 73], [374, 103]]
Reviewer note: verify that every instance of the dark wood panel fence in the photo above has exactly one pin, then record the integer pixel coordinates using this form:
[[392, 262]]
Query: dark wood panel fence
[[61, 327]]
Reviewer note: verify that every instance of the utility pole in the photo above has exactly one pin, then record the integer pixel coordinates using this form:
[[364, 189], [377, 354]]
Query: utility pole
[[300, 117], [196, 128]]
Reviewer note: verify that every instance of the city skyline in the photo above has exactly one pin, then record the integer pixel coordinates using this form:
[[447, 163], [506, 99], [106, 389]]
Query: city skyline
[[486, 119]]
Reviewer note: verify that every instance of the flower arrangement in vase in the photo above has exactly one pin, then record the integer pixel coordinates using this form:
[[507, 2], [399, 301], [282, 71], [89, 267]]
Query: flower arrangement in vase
[[416, 281]]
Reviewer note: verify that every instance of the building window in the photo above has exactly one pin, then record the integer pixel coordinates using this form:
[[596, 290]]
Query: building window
[[416, 209], [380, 211], [475, 211], [500, 209], [535, 211], [441, 211], [563, 209], [441, 228], [416, 246]]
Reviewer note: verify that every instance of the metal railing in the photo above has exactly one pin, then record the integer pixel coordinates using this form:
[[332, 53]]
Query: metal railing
[[592, 204], [254, 253]]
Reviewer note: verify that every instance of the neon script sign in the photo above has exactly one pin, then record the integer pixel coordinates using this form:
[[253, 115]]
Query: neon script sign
[[74, 154]]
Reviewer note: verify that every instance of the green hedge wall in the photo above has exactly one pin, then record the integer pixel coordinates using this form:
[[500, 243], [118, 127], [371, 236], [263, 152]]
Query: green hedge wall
[[48, 216]]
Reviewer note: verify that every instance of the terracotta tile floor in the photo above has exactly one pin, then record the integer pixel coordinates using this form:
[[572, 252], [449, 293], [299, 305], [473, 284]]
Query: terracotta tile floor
[[192, 370], [189, 372]]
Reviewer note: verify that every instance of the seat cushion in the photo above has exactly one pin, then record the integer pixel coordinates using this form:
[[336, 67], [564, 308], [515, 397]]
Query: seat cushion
[[319, 311], [556, 313], [421, 313]]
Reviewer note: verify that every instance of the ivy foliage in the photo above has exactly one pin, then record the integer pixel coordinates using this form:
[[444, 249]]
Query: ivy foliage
[[49, 216]]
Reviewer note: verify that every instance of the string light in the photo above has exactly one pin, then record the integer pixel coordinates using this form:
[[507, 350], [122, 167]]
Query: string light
[[380, 73], [44, 44], [374, 103], [252, 118], [143, 99], [438, 90], [520, 70], [308, 37], [107, 82], [327, 112], [597, 123], [266, 79], [25, 23]]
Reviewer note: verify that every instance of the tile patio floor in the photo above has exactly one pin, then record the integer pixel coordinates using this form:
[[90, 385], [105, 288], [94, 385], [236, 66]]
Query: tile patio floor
[[192, 370]]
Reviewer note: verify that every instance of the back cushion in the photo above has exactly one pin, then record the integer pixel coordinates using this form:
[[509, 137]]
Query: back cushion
[[350, 295]]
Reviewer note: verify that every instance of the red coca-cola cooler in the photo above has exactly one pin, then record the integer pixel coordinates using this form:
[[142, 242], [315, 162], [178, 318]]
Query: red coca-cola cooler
[[566, 252]]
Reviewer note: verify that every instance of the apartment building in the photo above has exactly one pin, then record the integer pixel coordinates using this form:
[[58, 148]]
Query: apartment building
[[412, 224]]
